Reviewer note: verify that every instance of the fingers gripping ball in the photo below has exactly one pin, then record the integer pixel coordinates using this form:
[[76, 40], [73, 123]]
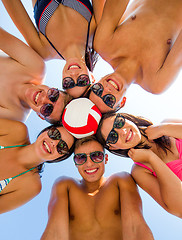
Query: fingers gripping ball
[[81, 117]]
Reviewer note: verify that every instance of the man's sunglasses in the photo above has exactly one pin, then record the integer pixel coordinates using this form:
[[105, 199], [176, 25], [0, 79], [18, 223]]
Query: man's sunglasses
[[62, 147], [82, 81], [53, 95], [81, 158], [108, 99], [119, 122]]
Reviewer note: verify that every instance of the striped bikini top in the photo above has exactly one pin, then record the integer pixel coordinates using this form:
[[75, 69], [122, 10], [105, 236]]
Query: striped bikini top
[[4, 182]]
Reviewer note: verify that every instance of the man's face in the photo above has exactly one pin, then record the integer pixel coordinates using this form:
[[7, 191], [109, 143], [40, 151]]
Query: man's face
[[112, 87], [37, 98], [91, 171], [75, 73]]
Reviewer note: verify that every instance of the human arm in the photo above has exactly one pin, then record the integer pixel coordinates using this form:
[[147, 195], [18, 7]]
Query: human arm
[[27, 189], [112, 12], [170, 129], [134, 226], [22, 54], [58, 223], [166, 189], [98, 6], [25, 25]]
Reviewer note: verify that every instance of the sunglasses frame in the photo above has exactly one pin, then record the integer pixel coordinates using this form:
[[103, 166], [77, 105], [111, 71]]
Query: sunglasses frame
[[61, 141], [89, 156], [48, 104], [76, 84], [103, 97], [115, 126]]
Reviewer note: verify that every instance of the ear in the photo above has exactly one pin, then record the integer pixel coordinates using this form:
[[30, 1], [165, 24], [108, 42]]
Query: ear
[[122, 103], [92, 77], [40, 116], [106, 158]]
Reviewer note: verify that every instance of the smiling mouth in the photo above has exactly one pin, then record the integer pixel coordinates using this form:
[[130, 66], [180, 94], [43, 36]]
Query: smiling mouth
[[36, 97], [113, 83], [46, 147], [130, 134], [91, 171], [74, 66]]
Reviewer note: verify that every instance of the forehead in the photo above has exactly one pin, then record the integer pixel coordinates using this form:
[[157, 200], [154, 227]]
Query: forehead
[[66, 136], [88, 147]]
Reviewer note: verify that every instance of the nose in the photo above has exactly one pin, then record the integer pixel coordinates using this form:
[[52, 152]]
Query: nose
[[122, 132], [89, 162], [107, 88]]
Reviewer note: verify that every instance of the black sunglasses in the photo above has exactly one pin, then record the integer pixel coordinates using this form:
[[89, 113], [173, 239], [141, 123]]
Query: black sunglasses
[[53, 95], [119, 122], [82, 81], [81, 158], [62, 147], [108, 99]]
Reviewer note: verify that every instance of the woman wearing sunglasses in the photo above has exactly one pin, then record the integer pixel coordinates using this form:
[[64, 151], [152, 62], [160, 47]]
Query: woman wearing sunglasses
[[155, 150], [66, 29], [21, 161]]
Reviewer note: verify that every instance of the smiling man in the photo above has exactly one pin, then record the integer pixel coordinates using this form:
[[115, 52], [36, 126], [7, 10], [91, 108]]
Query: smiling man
[[22, 71], [95, 207], [143, 44]]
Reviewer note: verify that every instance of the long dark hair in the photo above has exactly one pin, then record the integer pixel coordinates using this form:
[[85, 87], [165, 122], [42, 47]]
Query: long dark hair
[[142, 123], [91, 58], [65, 156]]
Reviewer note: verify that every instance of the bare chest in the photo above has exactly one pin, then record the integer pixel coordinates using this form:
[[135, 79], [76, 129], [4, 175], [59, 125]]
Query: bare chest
[[96, 215]]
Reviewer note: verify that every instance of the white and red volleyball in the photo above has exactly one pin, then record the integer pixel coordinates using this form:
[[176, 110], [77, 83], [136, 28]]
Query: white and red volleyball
[[81, 117]]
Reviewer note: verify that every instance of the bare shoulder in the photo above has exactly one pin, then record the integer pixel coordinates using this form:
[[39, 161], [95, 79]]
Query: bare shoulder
[[123, 179], [64, 182], [17, 129]]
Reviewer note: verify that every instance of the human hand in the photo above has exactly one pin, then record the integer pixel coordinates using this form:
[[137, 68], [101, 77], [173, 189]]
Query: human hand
[[154, 132], [140, 155]]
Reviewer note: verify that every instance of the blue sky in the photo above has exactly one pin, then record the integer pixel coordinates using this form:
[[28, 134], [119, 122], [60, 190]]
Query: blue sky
[[29, 221]]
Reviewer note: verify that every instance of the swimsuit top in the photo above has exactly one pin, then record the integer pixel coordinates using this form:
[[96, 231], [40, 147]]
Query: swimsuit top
[[4, 182], [175, 165], [44, 9]]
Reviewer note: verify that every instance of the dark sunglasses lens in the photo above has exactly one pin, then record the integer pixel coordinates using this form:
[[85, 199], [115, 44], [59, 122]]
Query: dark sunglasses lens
[[54, 133], [109, 100], [46, 110], [68, 83], [83, 80], [97, 156], [112, 137], [119, 121], [80, 158], [62, 147], [53, 94], [97, 89]]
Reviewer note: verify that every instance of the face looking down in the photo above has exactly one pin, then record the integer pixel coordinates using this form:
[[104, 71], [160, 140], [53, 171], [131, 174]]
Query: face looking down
[[90, 160], [53, 143], [76, 77], [108, 93], [120, 133], [47, 102]]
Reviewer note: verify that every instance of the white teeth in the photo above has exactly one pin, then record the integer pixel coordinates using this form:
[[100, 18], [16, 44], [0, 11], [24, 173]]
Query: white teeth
[[113, 84], [73, 66], [129, 136], [91, 171], [47, 147], [36, 97]]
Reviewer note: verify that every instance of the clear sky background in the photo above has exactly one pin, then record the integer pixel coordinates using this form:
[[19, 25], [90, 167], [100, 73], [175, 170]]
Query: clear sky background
[[29, 221]]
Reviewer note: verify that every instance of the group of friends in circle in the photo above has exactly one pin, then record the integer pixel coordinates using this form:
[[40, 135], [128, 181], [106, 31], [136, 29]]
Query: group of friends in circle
[[79, 32]]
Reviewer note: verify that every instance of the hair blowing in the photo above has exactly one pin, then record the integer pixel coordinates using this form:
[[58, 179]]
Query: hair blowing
[[142, 123]]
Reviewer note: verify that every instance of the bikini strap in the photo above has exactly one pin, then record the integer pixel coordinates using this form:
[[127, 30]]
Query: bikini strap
[[24, 172], [2, 147]]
